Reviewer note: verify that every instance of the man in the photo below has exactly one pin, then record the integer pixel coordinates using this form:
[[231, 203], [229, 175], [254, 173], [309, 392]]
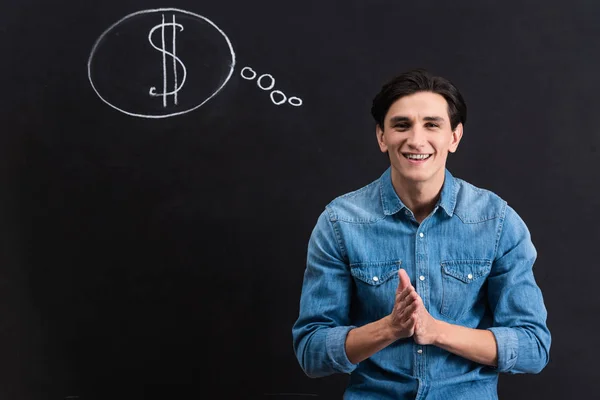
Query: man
[[420, 285]]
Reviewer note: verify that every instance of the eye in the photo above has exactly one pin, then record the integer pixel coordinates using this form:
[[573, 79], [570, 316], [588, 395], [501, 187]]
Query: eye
[[401, 127], [431, 125]]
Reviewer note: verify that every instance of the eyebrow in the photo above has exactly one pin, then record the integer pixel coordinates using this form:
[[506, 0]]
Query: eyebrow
[[398, 119], [434, 119]]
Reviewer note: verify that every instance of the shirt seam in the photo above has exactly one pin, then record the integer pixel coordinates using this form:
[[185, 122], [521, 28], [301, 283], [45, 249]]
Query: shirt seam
[[338, 239], [500, 229]]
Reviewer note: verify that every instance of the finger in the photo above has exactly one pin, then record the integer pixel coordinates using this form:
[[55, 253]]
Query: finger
[[403, 310], [410, 323], [400, 287], [403, 295], [408, 311], [404, 279]]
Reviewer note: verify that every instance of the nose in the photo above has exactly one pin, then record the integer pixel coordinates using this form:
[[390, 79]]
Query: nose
[[416, 138]]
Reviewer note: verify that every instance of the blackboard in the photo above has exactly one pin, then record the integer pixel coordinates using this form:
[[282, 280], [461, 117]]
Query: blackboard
[[147, 255]]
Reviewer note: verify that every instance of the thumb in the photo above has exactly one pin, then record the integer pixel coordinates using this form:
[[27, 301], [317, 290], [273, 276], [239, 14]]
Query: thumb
[[404, 279]]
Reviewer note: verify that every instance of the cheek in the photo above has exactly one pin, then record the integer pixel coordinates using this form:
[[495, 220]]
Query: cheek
[[393, 140], [444, 146]]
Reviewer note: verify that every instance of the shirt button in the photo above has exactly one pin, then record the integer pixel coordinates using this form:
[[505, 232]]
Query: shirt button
[[422, 278], [470, 276], [375, 279], [421, 234], [406, 212], [420, 351]]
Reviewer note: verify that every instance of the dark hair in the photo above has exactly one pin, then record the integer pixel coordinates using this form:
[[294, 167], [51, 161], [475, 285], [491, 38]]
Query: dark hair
[[419, 80]]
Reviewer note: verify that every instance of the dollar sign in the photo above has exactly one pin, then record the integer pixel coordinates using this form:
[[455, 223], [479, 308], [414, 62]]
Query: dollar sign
[[176, 86]]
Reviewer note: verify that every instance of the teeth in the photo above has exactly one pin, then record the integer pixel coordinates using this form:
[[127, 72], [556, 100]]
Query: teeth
[[417, 156]]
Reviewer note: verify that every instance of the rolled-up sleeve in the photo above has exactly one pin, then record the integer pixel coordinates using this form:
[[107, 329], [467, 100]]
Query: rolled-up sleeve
[[522, 336], [319, 333]]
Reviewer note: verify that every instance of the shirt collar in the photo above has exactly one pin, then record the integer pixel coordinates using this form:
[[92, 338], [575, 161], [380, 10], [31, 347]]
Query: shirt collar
[[392, 204]]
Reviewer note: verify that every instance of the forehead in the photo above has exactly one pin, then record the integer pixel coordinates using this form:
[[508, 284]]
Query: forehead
[[419, 105]]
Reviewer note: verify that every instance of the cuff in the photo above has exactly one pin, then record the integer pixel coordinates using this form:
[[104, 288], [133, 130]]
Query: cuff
[[507, 345], [336, 349]]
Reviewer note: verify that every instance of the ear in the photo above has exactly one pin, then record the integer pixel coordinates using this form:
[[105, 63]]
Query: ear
[[456, 136], [379, 132]]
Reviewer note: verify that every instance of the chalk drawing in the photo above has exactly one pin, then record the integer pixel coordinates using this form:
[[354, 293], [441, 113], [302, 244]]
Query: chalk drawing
[[162, 49], [280, 102], [295, 101], [172, 65], [166, 93], [260, 78], [249, 74], [248, 77]]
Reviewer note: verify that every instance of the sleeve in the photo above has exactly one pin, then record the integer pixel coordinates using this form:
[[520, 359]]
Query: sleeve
[[319, 333], [522, 336]]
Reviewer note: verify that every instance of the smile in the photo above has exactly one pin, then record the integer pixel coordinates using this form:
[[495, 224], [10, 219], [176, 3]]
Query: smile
[[416, 157]]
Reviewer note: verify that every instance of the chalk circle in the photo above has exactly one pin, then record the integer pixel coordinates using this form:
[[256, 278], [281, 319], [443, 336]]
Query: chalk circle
[[260, 78], [278, 103], [295, 101], [248, 77], [113, 27]]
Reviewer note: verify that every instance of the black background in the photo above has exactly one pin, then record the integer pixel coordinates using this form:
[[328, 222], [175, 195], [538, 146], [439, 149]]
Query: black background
[[163, 258]]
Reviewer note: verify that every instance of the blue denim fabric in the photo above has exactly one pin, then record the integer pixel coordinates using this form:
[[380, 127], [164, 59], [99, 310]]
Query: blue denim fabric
[[471, 262]]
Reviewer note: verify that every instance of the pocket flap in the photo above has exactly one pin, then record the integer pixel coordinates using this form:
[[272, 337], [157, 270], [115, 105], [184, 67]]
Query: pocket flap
[[467, 270], [375, 273]]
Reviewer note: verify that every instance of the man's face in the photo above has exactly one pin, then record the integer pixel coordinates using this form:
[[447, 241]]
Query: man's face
[[417, 136]]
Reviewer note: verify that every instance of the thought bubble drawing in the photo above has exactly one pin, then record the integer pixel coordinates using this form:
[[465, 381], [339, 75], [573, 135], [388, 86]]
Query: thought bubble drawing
[[249, 74], [164, 62], [160, 63]]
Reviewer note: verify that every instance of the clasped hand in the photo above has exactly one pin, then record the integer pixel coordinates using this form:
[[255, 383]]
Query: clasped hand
[[409, 316]]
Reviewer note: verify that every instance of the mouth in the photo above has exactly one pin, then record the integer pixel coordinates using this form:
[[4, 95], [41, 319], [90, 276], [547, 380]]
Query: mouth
[[417, 158]]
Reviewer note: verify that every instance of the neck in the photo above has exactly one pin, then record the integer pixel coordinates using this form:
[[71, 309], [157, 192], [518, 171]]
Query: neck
[[419, 196]]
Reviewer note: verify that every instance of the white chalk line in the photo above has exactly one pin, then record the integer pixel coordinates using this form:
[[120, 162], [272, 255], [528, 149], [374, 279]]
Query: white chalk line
[[278, 103], [246, 77], [266, 76], [294, 101], [164, 60], [176, 60], [159, 10]]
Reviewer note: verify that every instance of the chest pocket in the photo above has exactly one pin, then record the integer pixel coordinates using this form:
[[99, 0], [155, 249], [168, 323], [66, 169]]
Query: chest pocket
[[462, 283], [375, 284]]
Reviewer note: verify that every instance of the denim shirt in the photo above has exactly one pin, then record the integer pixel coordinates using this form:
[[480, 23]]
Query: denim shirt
[[470, 261]]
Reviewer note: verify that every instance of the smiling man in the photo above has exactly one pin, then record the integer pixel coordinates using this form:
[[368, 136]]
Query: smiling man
[[420, 285]]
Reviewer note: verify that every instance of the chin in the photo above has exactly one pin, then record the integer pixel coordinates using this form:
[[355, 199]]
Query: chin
[[414, 177], [413, 174], [417, 178]]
